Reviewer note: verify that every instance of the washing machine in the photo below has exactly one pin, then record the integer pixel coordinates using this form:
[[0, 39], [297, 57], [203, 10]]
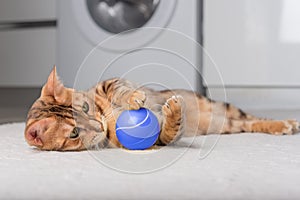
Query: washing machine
[[151, 42]]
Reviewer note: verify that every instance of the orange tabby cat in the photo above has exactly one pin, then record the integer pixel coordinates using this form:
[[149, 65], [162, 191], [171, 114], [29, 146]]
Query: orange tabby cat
[[64, 119]]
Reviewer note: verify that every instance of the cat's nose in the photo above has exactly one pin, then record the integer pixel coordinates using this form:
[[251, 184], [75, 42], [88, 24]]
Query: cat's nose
[[32, 137], [35, 133]]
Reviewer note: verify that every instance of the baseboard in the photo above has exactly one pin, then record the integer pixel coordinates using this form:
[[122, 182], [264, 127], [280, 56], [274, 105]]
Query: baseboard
[[15, 102], [258, 98]]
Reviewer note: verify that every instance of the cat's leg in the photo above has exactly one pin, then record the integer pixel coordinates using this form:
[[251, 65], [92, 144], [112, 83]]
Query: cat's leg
[[219, 117], [274, 127], [173, 120], [257, 124], [122, 93]]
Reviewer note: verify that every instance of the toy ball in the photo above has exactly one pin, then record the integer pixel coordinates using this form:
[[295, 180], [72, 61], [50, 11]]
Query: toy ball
[[137, 129]]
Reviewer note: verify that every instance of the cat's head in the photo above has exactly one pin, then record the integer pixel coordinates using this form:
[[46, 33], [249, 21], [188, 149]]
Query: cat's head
[[64, 119]]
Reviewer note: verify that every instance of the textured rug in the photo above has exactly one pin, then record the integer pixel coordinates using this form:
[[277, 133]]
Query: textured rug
[[241, 166]]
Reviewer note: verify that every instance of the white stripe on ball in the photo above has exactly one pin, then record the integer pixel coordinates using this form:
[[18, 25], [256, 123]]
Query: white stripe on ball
[[130, 127]]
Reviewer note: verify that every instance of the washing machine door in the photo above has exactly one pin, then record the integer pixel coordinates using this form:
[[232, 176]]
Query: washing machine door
[[116, 16], [99, 20]]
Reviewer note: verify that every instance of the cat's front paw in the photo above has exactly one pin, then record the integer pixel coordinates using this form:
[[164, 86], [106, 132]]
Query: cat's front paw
[[173, 123], [137, 100], [173, 106]]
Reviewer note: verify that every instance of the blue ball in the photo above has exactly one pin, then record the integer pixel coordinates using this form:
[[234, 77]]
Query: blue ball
[[137, 129]]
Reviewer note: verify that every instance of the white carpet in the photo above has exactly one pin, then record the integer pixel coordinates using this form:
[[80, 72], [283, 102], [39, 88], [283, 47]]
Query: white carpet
[[242, 166]]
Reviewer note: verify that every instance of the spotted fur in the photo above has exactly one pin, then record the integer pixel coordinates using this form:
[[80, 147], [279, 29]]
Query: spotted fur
[[64, 119]]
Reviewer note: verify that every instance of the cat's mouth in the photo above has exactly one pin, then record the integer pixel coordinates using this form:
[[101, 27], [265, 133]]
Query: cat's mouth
[[97, 141], [33, 134], [32, 137]]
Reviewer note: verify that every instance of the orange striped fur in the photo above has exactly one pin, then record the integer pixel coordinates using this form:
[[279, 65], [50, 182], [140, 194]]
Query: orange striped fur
[[64, 119]]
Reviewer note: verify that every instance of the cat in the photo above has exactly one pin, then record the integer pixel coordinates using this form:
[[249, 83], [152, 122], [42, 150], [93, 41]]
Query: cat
[[64, 119]]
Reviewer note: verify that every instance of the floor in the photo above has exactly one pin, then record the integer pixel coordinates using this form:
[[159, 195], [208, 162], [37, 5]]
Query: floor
[[239, 166]]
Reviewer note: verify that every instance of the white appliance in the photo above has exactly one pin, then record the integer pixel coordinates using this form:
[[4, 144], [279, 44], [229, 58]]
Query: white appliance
[[27, 38], [166, 56], [255, 45]]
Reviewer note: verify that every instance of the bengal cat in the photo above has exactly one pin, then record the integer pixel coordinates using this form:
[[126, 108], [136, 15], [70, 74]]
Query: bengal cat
[[64, 119]]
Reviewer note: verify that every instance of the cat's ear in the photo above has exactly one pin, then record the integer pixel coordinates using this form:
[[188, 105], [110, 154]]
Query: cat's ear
[[53, 83], [56, 89]]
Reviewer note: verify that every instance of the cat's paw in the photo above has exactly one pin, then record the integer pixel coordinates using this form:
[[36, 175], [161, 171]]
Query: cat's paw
[[295, 124], [286, 127], [173, 126], [137, 100], [276, 127], [173, 106]]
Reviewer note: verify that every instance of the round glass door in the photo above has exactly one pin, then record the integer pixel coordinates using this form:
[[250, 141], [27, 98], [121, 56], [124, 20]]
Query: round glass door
[[116, 16]]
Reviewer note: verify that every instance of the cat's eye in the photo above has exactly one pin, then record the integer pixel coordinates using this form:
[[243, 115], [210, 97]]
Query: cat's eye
[[85, 107], [75, 133]]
